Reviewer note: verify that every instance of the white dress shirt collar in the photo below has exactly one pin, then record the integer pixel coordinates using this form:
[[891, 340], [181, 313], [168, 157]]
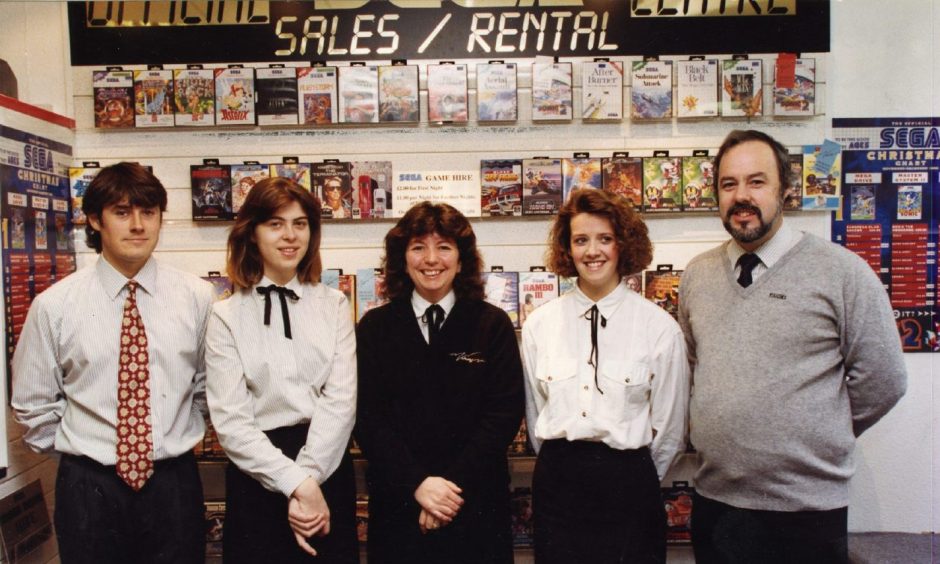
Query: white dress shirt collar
[[420, 305], [771, 251], [606, 305], [114, 282], [294, 284]]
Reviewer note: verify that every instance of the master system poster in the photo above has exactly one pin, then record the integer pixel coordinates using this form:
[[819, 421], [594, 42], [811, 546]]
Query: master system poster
[[891, 174]]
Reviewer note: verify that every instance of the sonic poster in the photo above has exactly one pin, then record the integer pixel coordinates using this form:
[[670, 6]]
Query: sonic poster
[[889, 214]]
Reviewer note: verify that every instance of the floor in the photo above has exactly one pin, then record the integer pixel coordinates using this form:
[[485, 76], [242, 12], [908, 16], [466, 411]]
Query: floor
[[864, 548]]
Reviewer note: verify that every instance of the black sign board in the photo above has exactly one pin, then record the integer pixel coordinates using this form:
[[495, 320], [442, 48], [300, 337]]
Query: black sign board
[[171, 32]]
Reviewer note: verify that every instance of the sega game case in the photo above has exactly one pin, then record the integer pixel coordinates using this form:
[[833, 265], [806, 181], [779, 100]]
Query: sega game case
[[601, 91], [316, 95], [580, 174], [651, 90], [697, 89], [79, 179], [359, 94], [277, 96], [662, 288], [742, 91], [551, 91], [447, 94], [301, 173], [698, 184], [215, 527], [212, 192], [793, 195], [331, 208], [501, 187], [800, 99], [661, 184], [497, 95], [501, 289], [244, 178], [542, 186], [114, 99], [624, 176], [370, 290], [235, 96], [153, 98], [195, 97], [371, 189], [398, 94], [535, 289]]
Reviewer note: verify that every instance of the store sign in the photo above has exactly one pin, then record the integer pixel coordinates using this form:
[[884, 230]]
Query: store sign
[[113, 33]]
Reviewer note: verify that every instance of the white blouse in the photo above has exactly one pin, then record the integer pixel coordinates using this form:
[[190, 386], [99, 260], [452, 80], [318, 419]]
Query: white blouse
[[641, 393], [258, 380]]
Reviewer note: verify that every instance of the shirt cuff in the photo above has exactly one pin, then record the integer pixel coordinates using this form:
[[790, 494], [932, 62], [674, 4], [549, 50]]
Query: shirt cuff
[[291, 479]]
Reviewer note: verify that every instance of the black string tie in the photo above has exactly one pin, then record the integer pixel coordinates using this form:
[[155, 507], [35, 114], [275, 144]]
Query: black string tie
[[283, 293], [434, 317], [593, 315]]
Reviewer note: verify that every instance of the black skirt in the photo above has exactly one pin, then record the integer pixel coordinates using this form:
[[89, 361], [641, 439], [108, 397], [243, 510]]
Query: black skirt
[[256, 528], [593, 504]]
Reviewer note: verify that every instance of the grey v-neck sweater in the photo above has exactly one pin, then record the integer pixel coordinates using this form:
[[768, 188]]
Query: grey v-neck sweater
[[786, 373]]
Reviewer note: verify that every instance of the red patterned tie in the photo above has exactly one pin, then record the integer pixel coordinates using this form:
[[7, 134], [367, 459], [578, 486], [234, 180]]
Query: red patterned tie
[[135, 439]]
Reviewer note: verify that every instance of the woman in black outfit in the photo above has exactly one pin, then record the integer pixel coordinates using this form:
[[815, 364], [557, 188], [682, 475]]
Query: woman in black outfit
[[440, 399]]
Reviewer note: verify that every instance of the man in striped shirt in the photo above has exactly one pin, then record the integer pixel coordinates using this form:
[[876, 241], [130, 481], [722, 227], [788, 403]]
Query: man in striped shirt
[[109, 366]]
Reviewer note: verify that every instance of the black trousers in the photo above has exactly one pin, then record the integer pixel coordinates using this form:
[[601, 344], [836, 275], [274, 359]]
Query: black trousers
[[100, 520], [724, 534], [256, 528], [592, 504]]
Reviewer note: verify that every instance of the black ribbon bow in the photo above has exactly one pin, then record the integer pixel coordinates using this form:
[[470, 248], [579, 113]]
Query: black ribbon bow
[[283, 293], [594, 315]]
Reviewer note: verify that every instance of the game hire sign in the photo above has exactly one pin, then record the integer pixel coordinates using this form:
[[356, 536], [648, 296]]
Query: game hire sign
[[164, 32]]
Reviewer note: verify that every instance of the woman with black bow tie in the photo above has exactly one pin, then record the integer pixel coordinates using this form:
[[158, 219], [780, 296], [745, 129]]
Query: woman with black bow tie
[[281, 386], [607, 385], [440, 399]]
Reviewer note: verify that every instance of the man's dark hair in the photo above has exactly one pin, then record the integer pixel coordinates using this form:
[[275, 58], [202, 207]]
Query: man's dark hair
[[739, 136], [112, 185]]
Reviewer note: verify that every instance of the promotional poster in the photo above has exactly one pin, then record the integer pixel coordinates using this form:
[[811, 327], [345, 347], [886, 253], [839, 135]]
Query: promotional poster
[[889, 213]]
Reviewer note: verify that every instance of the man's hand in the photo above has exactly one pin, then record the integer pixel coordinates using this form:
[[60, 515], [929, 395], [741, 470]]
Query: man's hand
[[308, 514]]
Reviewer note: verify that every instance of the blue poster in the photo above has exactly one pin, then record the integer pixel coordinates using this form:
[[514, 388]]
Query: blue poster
[[889, 213]]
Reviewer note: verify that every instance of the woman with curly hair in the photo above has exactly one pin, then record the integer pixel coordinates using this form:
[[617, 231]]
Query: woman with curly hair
[[607, 384], [440, 399]]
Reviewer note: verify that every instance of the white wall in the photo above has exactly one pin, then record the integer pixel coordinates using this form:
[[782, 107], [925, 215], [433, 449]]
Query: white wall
[[34, 40], [882, 64]]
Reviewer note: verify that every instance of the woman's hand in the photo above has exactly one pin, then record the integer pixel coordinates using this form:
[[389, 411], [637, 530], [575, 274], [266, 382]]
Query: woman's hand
[[440, 498], [308, 514]]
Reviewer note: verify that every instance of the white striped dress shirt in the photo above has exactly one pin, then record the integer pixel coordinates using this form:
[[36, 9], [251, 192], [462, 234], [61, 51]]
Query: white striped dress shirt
[[65, 368], [259, 380]]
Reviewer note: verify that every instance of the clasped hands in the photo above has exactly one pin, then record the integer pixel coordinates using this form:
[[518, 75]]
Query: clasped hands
[[308, 514], [440, 501]]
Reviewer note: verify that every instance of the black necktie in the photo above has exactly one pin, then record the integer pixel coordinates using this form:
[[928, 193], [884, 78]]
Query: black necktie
[[747, 262], [434, 317], [594, 315], [283, 293]]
